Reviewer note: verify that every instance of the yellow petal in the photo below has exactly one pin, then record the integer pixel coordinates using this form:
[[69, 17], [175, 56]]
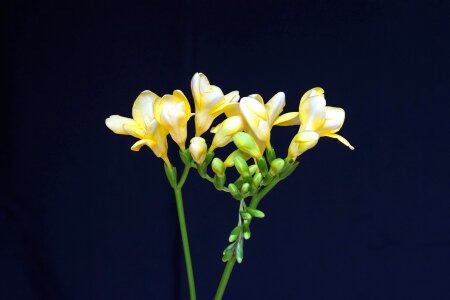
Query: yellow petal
[[138, 145], [229, 161], [275, 106], [225, 132], [257, 97], [288, 119], [134, 130], [340, 139], [303, 141], [250, 106], [312, 110], [317, 91], [334, 119], [143, 108], [116, 123]]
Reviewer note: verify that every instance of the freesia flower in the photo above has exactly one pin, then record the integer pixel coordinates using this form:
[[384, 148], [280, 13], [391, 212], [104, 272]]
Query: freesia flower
[[173, 112], [142, 126], [209, 101], [259, 117], [315, 116]]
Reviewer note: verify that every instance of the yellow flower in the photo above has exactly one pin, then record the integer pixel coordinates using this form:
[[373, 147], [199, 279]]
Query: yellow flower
[[198, 149], [315, 116], [224, 132], [210, 102], [302, 142], [259, 117], [142, 126], [173, 112]]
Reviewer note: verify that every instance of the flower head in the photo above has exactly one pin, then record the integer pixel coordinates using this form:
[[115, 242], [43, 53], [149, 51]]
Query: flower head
[[142, 126], [209, 101], [173, 112], [224, 132]]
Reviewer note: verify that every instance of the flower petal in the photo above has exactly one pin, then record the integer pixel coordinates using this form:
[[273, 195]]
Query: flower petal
[[138, 145], [251, 106], [275, 106], [334, 119], [312, 110], [134, 130], [143, 108], [288, 119], [115, 124], [340, 139]]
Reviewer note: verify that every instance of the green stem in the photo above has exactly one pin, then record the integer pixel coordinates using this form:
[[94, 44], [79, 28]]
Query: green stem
[[230, 264], [224, 280], [184, 234]]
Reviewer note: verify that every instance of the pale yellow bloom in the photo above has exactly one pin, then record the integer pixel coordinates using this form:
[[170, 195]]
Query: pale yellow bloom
[[224, 132], [173, 112], [142, 126], [315, 116], [259, 117], [302, 142], [210, 102], [198, 149]]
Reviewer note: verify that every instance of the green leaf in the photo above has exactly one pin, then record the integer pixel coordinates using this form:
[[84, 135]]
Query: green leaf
[[255, 212]]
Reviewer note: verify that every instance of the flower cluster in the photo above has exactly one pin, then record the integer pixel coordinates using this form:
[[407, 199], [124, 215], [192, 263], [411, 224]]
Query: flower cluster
[[155, 117]]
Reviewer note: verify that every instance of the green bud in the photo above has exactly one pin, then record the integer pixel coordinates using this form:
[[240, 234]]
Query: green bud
[[219, 181], [218, 167], [246, 229], [234, 191], [245, 188], [241, 165], [171, 173], [246, 143], [246, 216], [228, 253], [255, 212], [252, 169], [276, 166], [239, 251], [270, 154], [257, 179], [262, 165], [234, 234]]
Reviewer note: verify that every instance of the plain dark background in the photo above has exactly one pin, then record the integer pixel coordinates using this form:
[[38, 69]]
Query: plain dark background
[[83, 217]]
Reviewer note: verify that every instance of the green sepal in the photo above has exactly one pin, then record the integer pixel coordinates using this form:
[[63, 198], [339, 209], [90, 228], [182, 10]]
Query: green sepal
[[289, 167], [255, 212], [234, 234], [239, 251], [219, 182], [246, 229], [228, 252], [208, 158], [186, 157], [246, 216], [262, 165], [171, 173], [271, 155]]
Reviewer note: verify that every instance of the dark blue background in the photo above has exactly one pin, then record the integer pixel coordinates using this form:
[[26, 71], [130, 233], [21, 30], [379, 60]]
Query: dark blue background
[[83, 217]]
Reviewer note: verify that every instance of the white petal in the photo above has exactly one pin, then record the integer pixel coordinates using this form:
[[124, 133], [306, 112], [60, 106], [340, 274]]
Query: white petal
[[334, 119], [143, 108], [288, 119], [275, 106], [116, 122]]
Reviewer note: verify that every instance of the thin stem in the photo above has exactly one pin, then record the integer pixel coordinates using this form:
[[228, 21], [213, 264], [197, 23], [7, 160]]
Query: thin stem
[[224, 280], [184, 238], [183, 177]]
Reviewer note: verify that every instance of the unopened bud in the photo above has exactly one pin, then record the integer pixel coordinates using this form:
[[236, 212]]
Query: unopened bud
[[276, 166], [198, 149], [218, 167], [234, 191], [245, 188], [246, 143]]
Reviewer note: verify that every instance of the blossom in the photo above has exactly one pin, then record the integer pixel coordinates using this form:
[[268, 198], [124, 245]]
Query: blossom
[[259, 117], [210, 102], [315, 116], [224, 132], [143, 126], [173, 111]]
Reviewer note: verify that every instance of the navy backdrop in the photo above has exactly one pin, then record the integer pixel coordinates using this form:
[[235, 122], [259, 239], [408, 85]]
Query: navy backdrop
[[83, 217]]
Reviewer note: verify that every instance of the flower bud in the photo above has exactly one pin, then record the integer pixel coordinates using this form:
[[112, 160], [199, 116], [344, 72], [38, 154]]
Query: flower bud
[[302, 142], [246, 143], [245, 188], [257, 179], [234, 191], [198, 149], [224, 131], [218, 167], [276, 166], [241, 165]]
